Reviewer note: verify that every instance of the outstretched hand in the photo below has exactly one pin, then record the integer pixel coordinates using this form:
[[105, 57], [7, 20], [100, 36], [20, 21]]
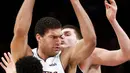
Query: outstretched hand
[[8, 65], [111, 9]]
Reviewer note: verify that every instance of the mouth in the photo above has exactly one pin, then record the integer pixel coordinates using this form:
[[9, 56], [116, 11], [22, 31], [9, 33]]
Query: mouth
[[57, 48]]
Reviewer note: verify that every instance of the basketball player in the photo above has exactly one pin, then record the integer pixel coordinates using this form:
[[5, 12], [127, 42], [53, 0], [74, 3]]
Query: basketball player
[[99, 56], [48, 32]]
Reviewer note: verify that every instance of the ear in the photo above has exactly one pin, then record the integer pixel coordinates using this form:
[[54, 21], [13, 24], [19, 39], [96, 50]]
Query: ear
[[38, 37]]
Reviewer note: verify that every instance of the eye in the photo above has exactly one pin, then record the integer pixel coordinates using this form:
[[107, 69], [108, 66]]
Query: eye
[[67, 34], [54, 37], [51, 36]]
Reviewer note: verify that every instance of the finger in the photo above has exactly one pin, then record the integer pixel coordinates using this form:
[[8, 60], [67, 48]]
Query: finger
[[4, 61], [105, 2], [10, 56], [2, 65], [107, 5], [7, 57], [112, 2]]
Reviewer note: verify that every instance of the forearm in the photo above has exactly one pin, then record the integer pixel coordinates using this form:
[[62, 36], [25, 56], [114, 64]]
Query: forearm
[[24, 17], [84, 21], [123, 39], [85, 47]]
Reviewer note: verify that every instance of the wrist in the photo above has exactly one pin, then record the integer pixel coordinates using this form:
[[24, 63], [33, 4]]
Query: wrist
[[113, 20], [74, 1]]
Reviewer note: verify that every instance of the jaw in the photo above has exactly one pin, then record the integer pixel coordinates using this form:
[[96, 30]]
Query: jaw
[[64, 46]]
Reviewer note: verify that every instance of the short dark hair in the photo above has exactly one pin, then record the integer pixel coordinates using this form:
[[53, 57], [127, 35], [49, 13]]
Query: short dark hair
[[77, 31], [28, 64], [46, 23]]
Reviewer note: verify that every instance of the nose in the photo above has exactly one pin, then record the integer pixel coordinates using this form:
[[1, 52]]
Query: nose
[[58, 41], [62, 36]]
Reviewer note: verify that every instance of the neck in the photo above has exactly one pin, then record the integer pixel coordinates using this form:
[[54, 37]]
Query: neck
[[42, 54]]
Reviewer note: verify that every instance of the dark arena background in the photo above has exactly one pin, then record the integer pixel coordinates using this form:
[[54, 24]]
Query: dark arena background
[[63, 11]]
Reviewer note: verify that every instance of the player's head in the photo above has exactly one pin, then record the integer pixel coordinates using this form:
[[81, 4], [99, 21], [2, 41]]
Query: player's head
[[70, 35], [28, 64], [48, 32]]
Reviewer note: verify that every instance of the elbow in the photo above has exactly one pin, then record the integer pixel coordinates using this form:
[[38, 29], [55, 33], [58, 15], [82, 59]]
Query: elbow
[[19, 32], [93, 41], [125, 54]]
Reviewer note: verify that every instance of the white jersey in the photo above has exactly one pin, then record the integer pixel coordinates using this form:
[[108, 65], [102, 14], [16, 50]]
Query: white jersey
[[51, 65]]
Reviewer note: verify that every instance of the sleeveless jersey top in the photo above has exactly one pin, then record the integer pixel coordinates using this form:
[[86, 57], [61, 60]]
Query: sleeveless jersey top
[[51, 65]]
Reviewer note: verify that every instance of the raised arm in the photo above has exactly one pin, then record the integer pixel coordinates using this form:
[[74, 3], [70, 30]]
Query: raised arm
[[23, 21], [115, 57], [84, 47]]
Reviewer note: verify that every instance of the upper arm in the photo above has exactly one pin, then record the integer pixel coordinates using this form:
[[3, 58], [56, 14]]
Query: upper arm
[[19, 47], [29, 51], [73, 56], [109, 58], [81, 51]]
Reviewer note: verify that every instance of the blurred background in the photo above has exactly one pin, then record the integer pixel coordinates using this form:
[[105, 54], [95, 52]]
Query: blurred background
[[63, 11]]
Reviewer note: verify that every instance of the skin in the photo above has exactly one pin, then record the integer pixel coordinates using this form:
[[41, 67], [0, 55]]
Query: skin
[[8, 64], [49, 44], [100, 56]]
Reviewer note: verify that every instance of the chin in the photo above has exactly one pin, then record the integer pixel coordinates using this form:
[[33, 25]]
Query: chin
[[57, 52], [54, 54], [64, 46]]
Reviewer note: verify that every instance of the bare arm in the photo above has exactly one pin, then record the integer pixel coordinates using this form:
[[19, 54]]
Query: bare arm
[[23, 21], [116, 57], [85, 46], [101, 56], [123, 39]]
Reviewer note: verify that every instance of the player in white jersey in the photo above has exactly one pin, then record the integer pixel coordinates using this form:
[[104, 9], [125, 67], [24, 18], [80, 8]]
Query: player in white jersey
[[52, 64], [48, 36], [99, 56]]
